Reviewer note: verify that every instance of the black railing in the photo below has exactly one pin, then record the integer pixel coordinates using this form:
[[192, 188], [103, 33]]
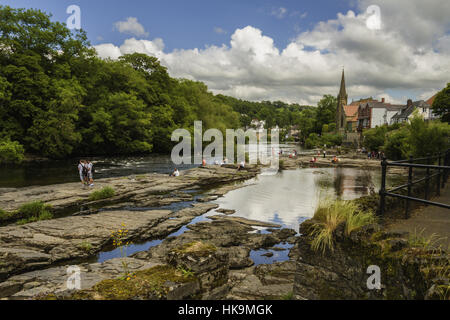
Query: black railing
[[441, 171]]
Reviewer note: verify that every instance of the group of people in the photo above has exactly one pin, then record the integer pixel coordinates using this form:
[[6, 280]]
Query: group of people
[[86, 170], [375, 155]]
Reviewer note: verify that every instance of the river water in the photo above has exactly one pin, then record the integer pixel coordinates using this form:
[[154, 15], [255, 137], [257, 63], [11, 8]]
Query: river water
[[286, 198], [64, 171]]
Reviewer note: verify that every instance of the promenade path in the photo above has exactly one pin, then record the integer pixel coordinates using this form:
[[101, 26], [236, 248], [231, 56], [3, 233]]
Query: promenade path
[[429, 220]]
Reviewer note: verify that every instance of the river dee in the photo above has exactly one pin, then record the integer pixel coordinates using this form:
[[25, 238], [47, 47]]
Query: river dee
[[63, 171], [290, 197], [286, 198]]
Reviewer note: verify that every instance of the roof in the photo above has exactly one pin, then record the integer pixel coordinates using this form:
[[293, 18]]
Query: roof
[[351, 112], [405, 113], [360, 101], [431, 100]]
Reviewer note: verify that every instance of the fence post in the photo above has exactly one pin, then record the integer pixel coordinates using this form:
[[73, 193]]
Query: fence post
[[444, 160], [383, 185], [446, 163], [427, 181], [438, 185], [410, 174]]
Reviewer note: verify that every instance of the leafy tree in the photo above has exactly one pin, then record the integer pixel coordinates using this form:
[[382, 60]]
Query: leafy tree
[[326, 111], [441, 104], [11, 151], [396, 146], [374, 138]]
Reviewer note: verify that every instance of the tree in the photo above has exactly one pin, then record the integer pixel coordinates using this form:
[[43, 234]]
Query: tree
[[441, 104], [374, 138], [326, 111]]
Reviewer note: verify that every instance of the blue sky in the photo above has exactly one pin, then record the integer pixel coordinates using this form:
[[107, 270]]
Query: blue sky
[[185, 24], [278, 49]]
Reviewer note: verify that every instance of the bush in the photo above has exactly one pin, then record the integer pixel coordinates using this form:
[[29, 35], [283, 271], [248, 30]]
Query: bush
[[374, 138], [104, 193], [34, 211], [397, 146], [11, 152]]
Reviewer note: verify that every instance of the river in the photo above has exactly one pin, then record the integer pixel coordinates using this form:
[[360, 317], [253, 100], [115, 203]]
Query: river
[[286, 198], [63, 171]]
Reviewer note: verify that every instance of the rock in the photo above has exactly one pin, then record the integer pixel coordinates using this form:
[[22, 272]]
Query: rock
[[239, 257], [226, 211], [267, 254], [397, 244], [245, 221]]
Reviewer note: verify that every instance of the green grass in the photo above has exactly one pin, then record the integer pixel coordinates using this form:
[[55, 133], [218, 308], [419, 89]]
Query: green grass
[[418, 240], [33, 211], [104, 193], [86, 246], [331, 214], [288, 296]]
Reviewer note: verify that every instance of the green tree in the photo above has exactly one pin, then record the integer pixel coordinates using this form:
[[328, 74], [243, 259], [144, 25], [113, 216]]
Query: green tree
[[441, 104], [374, 138], [326, 111]]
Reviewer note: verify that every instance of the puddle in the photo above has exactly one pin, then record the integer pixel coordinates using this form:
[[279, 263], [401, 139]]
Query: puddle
[[278, 255]]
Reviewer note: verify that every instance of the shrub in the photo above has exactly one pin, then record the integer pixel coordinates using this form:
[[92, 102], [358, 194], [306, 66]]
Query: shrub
[[34, 211], [374, 138], [397, 146], [11, 152], [331, 214], [104, 193]]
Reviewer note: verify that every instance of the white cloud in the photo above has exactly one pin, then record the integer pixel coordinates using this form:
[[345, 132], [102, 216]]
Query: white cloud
[[131, 26], [280, 12], [376, 61]]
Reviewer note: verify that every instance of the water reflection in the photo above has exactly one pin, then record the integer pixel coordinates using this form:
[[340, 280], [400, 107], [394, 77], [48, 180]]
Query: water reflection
[[290, 197]]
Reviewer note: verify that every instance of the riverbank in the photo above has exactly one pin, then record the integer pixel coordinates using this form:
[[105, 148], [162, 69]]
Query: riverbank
[[214, 258], [138, 203]]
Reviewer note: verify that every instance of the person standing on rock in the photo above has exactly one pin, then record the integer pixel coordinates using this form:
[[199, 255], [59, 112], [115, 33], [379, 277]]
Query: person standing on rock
[[90, 167], [80, 171]]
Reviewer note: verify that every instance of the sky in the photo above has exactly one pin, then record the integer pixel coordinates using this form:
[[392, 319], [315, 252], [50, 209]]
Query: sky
[[286, 50]]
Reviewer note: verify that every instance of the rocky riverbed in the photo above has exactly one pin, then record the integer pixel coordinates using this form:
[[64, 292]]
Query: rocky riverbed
[[35, 256]]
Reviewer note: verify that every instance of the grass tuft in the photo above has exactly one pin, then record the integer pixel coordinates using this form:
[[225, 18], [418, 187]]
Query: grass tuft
[[331, 214], [104, 193], [34, 211]]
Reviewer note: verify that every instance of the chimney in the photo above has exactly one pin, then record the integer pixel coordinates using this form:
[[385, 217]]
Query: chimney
[[409, 103], [382, 100]]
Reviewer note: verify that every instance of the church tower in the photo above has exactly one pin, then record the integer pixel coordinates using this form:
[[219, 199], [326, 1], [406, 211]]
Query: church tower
[[342, 101]]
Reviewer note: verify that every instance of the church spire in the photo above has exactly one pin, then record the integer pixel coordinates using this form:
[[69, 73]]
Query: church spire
[[342, 91], [342, 101]]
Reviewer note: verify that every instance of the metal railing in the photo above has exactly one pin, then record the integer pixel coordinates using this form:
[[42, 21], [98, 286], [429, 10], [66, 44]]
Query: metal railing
[[441, 171]]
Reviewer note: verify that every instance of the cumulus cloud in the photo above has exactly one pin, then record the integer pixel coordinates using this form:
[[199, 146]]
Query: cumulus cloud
[[280, 12], [390, 60], [131, 26]]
